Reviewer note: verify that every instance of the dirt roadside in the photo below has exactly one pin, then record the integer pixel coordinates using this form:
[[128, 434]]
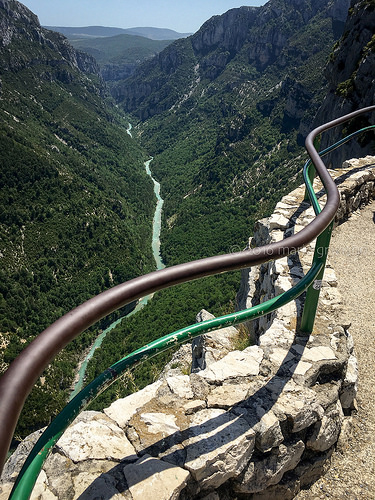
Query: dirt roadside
[[351, 474]]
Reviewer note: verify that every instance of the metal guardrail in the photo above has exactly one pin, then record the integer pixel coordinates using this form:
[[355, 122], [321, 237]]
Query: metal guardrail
[[18, 380]]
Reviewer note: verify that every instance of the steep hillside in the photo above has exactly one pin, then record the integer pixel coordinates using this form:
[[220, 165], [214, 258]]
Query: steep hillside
[[351, 77], [75, 202], [224, 113]]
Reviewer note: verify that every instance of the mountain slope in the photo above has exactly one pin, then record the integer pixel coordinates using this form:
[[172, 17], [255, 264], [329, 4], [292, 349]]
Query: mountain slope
[[351, 78], [224, 113], [76, 204]]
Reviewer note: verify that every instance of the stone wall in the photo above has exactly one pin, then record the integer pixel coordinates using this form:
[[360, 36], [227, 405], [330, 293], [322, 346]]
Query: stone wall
[[258, 423]]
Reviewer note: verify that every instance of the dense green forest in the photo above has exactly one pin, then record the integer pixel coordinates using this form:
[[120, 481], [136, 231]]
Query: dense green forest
[[76, 204], [225, 127]]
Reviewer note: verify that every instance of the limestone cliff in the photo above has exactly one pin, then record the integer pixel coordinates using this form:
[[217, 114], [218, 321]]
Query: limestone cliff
[[258, 36], [351, 75], [17, 24]]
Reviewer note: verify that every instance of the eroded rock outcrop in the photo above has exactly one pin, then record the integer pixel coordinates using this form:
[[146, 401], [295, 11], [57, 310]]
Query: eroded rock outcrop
[[20, 24]]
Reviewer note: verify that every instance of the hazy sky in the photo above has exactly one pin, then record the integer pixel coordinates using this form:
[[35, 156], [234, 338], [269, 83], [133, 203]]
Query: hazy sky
[[184, 16]]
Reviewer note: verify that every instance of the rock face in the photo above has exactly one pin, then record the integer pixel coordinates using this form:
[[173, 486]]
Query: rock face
[[351, 77], [254, 423], [260, 36], [19, 23]]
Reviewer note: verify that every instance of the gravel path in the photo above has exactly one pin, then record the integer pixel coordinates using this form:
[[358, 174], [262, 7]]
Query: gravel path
[[352, 255]]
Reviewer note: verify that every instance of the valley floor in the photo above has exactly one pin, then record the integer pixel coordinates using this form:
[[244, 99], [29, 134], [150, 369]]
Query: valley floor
[[352, 255]]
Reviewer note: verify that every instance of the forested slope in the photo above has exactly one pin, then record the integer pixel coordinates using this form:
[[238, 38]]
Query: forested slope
[[76, 205], [225, 112]]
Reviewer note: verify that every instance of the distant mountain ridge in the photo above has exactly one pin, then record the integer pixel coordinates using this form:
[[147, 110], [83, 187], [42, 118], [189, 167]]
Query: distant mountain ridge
[[118, 56], [103, 31]]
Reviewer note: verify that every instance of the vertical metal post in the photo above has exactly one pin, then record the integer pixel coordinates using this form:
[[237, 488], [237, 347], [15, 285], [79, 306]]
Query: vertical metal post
[[312, 294]]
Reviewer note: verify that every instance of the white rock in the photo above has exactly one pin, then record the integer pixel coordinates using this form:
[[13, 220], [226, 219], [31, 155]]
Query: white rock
[[327, 431], [96, 439], [301, 368], [194, 406], [277, 221], [88, 486], [151, 478], [320, 353], [235, 364], [268, 430], [5, 489], [264, 473], [279, 356], [180, 385], [278, 335], [41, 491], [349, 388], [299, 407], [227, 395], [160, 423], [282, 284], [122, 410], [220, 447]]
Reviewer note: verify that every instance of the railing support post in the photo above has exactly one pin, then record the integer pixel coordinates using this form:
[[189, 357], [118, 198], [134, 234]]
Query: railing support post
[[312, 294]]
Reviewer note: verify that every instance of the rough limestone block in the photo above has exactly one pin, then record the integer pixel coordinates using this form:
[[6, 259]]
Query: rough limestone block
[[268, 431], [326, 432], [219, 448], [278, 221], [96, 439], [180, 385], [281, 266], [151, 478], [122, 410], [319, 353], [41, 490], [278, 356], [5, 489], [349, 388], [330, 277], [88, 486], [263, 473], [212, 346], [235, 364], [69, 480], [299, 407], [193, 406], [227, 395], [278, 335], [160, 423]]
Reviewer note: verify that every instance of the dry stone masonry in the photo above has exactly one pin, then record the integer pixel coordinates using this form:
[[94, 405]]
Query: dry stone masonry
[[259, 423]]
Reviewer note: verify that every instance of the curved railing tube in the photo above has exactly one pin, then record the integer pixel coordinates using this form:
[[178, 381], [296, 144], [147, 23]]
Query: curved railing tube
[[18, 380]]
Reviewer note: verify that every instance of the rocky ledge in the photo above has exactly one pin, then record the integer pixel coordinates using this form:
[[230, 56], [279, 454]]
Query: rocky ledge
[[260, 423]]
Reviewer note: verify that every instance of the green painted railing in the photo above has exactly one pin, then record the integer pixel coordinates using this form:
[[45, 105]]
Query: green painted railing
[[76, 321]]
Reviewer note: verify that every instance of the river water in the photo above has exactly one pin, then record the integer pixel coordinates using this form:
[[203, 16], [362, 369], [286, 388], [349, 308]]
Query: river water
[[156, 227]]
